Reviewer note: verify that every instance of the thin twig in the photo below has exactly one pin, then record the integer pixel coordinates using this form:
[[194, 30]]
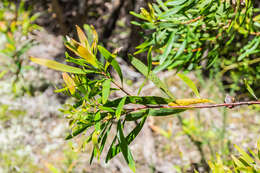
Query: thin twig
[[192, 20], [232, 66], [197, 106], [121, 88], [116, 84]]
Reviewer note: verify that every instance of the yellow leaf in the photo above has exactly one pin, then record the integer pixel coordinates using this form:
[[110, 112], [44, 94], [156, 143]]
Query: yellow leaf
[[186, 102], [95, 38], [81, 51], [82, 37], [87, 54], [69, 82], [57, 66], [95, 137]]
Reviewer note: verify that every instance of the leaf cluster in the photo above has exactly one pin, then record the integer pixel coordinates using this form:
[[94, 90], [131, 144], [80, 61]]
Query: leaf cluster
[[91, 83]]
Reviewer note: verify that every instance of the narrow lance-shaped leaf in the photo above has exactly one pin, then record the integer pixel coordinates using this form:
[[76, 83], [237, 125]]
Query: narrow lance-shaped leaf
[[186, 102], [105, 90], [143, 100], [144, 70], [238, 162], [175, 3], [168, 48], [95, 38], [249, 89], [124, 147], [82, 37], [190, 83], [95, 145], [170, 12], [244, 155], [97, 121], [120, 107], [113, 151], [111, 59], [78, 131], [137, 15], [149, 59], [165, 111], [69, 82], [160, 2], [258, 149], [103, 141], [181, 49], [57, 66]]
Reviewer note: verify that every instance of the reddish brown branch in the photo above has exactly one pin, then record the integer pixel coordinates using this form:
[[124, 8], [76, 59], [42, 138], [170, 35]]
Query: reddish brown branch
[[198, 106], [192, 20], [117, 85]]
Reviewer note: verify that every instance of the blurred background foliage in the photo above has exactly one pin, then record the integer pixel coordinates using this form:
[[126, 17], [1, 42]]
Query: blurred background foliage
[[217, 41], [16, 24]]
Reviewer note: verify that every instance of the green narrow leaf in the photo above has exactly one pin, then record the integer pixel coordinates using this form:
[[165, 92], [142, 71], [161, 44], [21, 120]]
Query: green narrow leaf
[[249, 89], [164, 65], [120, 107], [252, 50], [176, 2], [160, 2], [141, 67], [57, 66], [168, 48], [133, 116], [142, 100], [237, 162], [113, 151], [137, 15], [103, 141], [105, 90], [149, 59], [245, 156], [190, 83], [181, 49], [164, 111], [97, 121], [258, 149], [93, 154], [78, 131], [25, 48], [171, 11], [124, 147], [141, 87], [111, 59]]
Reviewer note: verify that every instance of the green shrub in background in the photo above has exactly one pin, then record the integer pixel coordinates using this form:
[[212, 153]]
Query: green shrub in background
[[204, 34], [16, 24]]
